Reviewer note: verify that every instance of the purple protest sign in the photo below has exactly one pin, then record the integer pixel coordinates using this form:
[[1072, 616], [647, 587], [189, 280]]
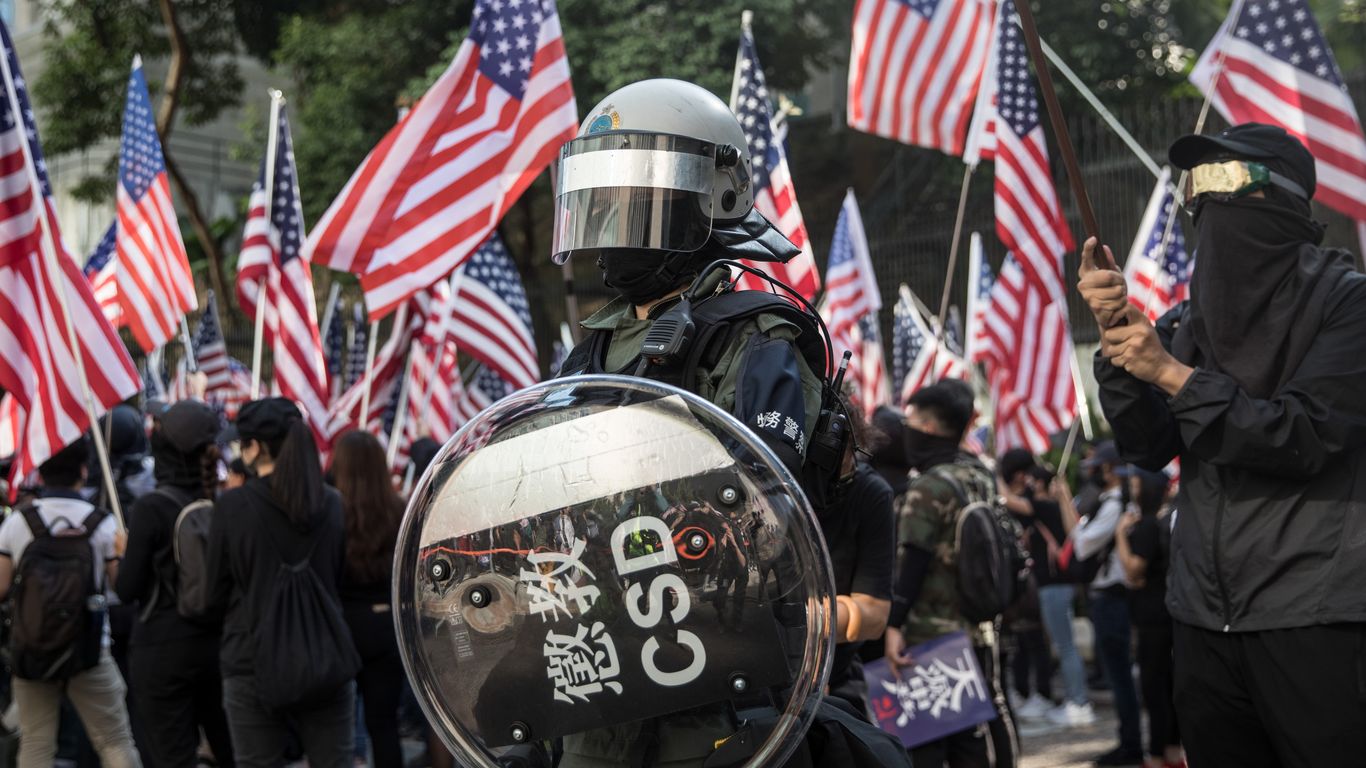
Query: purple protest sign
[[942, 692]]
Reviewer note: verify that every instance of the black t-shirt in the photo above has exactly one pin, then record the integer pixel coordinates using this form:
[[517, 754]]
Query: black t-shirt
[[1048, 516], [859, 532], [1148, 541]]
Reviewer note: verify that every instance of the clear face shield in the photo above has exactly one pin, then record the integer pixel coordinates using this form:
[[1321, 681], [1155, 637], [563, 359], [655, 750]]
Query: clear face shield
[[633, 190], [601, 559]]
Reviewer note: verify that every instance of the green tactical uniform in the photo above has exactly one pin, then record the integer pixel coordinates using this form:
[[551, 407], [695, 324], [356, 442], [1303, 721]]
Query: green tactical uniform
[[685, 739], [927, 518], [717, 384]]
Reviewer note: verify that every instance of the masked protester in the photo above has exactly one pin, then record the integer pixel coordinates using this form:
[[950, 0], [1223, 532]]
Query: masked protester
[[1255, 385], [926, 604]]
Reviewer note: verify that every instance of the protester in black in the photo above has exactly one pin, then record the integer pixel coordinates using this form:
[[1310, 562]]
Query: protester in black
[[859, 533], [372, 511], [1142, 545], [173, 660], [1256, 385], [283, 514], [1032, 661]]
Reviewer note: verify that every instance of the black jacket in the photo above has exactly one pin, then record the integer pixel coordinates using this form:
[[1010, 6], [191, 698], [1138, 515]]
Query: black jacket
[[247, 541], [1271, 515]]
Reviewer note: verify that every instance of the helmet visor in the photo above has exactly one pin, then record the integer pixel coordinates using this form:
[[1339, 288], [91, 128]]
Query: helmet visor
[[633, 190]]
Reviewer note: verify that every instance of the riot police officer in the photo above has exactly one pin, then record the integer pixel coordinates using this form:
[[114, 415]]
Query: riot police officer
[[657, 186]]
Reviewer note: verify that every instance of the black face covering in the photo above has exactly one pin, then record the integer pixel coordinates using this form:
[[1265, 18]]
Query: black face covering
[[925, 450], [642, 276], [1259, 288]]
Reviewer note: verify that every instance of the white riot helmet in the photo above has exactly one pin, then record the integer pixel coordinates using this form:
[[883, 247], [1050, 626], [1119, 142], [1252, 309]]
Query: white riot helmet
[[661, 165]]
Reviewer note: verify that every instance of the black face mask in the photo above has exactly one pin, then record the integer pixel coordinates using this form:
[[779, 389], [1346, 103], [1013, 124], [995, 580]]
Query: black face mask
[[925, 450], [641, 276], [1258, 290]]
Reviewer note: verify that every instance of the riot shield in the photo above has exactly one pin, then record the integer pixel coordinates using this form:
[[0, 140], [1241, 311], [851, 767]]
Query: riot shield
[[616, 570]]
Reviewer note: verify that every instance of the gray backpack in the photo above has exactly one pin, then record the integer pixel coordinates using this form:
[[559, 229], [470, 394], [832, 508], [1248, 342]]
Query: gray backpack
[[190, 547]]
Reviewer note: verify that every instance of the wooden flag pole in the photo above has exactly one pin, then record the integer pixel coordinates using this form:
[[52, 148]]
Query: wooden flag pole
[[48, 246], [277, 99], [1050, 98], [953, 253]]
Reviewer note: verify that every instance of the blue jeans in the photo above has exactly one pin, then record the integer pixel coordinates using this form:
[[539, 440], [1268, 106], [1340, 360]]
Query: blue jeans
[[1055, 607], [1114, 636]]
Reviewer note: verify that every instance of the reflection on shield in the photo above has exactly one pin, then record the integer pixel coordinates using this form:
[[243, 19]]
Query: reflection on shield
[[610, 551]]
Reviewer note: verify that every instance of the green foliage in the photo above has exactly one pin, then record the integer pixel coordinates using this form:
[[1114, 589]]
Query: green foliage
[[92, 44]]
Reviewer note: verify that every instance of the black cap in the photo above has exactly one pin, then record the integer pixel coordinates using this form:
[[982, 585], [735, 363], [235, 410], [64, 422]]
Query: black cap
[[266, 420], [189, 425], [1105, 453], [1282, 152]]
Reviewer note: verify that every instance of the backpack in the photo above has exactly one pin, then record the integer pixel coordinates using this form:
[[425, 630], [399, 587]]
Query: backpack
[[301, 620], [190, 548], [993, 565], [58, 620]]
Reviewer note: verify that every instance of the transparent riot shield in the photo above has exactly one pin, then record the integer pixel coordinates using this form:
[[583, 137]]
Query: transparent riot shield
[[616, 570]]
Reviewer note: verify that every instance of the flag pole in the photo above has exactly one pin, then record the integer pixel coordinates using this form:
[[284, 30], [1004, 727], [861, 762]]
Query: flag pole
[[953, 251], [746, 25], [1050, 98], [1200, 125], [330, 308], [48, 246], [189, 345], [369, 376], [1067, 450], [401, 411], [1083, 405], [277, 99]]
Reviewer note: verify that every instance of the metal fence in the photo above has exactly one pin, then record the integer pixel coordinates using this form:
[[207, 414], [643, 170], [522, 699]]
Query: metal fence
[[909, 215]]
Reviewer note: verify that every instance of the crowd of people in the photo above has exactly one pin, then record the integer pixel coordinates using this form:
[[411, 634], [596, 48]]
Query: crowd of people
[[181, 670]]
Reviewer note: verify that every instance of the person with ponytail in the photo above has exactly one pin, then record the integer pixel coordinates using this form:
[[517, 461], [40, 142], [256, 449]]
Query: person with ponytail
[[173, 660], [283, 514], [372, 512]]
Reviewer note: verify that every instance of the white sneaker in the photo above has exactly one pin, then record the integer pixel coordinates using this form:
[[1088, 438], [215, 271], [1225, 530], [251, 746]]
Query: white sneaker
[[1035, 707], [1072, 715]]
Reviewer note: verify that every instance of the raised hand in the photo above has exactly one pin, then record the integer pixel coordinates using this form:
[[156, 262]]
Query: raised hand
[[1102, 285]]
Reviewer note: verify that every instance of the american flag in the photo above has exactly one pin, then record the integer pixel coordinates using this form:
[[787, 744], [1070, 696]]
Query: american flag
[[953, 331], [226, 398], [851, 291], [153, 378], [918, 358], [271, 259], [435, 187], [975, 441], [385, 378], [210, 350], [492, 318], [867, 375], [1029, 219], [1158, 280], [101, 269], [334, 348], [45, 406], [979, 299], [915, 68], [154, 284], [1027, 348], [774, 194], [1278, 69], [357, 349]]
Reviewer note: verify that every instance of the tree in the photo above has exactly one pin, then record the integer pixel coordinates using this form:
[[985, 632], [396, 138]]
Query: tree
[[86, 78]]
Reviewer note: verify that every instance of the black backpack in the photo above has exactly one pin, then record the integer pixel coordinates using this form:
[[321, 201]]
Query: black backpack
[[993, 565], [304, 652], [59, 608], [190, 553]]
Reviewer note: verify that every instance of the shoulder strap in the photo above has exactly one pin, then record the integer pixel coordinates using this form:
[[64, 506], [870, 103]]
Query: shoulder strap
[[734, 306], [93, 520], [35, 522], [181, 499]]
